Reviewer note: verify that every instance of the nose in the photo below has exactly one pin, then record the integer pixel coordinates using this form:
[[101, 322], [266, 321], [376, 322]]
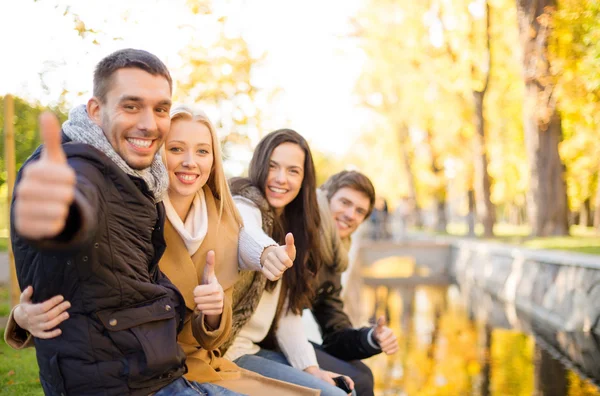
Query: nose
[[350, 213], [147, 121], [188, 159], [280, 176]]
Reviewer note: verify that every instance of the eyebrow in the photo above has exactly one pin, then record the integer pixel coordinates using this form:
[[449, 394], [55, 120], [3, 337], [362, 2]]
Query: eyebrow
[[182, 142], [137, 99], [278, 164], [130, 98]]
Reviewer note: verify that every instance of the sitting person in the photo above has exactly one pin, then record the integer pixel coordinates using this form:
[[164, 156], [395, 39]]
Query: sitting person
[[86, 224], [345, 201], [278, 198]]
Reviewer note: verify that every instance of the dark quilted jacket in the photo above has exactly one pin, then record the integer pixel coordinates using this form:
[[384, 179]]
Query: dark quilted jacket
[[125, 314]]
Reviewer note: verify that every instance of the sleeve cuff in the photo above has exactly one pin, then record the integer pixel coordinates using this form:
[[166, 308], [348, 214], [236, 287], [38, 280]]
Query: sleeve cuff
[[302, 361], [371, 339], [15, 336], [251, 248]]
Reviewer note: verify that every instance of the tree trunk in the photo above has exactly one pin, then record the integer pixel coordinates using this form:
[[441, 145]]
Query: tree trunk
[[441, 220], [597, 208], [439, 190], [486, 211], [585, 218], [412, 185], [515, 215], [547, 197], [471, 215], [485, 208]]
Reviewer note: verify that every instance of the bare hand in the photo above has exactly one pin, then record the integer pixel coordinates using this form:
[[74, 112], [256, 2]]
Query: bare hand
[[385, 337], [327, 376], [276, 260], [209, 296], [41, 319], [47, 187]]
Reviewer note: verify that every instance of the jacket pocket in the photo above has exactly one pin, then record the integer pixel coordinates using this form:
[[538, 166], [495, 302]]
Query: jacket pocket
[[146, 334]]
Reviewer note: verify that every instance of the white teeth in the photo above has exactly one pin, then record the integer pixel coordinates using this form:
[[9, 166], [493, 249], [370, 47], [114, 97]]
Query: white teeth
[[187, 177], [278, 190], [142, 143]]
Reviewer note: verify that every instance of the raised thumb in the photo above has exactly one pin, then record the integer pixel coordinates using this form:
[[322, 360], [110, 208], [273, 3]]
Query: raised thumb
[[51, 138], [289, 245], [381, 322], [209, 268]]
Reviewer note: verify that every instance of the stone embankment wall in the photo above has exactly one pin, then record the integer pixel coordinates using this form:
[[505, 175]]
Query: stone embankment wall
[[560, 288]]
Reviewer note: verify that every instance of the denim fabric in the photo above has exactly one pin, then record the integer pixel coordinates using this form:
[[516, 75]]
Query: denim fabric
[[183, 387]]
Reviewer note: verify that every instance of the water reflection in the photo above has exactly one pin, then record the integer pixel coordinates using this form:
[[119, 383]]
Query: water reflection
[[458, 343]]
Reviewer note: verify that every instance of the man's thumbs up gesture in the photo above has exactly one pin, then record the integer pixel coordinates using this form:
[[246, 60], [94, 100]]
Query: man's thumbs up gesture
[[47, 187], [385, 337], [276, 260], [209, 295]]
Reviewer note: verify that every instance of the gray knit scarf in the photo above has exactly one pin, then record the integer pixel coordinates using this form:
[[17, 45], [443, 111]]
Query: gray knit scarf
[[81, 129]]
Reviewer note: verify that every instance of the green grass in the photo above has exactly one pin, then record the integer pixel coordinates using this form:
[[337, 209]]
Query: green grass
[[3, 244], [18, 371], [581, 240], [4, 301]]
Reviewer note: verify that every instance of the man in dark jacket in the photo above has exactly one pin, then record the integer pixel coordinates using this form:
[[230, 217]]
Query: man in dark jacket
[[87, 224], [345, 201]]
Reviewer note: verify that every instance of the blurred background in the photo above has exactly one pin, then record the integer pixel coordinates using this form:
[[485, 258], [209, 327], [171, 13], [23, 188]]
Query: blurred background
[[478, 118], [471, 116]]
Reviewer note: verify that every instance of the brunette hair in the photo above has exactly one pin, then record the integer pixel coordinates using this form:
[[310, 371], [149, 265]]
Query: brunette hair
[[300, 217], [128, 58], [354, 180]]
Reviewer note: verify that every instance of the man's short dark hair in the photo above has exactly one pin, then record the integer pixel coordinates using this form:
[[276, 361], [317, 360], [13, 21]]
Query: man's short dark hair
[[354, 180], [123, 59]]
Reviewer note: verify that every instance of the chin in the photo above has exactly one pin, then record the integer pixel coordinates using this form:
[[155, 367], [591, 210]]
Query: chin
[[139, 164]]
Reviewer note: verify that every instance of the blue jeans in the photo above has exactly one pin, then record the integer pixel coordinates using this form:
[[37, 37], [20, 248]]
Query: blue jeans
[[183, 387], [274, 365]]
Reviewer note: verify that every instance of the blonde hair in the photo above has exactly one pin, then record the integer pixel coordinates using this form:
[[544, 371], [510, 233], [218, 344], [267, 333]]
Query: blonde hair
[[217, 182]]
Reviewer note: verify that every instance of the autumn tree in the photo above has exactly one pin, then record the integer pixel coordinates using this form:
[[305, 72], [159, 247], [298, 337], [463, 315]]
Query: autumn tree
[[574, 53], [217, 71], [547, 196]]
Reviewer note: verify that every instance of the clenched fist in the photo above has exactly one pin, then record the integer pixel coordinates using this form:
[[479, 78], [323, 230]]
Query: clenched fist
[[276, 260], [47, 187]]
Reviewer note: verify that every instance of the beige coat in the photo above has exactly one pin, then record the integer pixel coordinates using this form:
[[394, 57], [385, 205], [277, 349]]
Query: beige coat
[[204, 361]]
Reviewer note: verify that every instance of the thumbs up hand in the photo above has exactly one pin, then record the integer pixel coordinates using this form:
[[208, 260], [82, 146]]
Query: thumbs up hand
[[275, 260], [209, 295], [385, 337], [47, 187]]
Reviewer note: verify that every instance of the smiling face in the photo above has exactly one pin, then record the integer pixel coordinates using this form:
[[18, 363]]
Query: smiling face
[[286, 172], [349, 208], [189, 154], [134, 115]]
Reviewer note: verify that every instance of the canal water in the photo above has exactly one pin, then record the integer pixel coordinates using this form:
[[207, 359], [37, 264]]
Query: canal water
[[457, 342]]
